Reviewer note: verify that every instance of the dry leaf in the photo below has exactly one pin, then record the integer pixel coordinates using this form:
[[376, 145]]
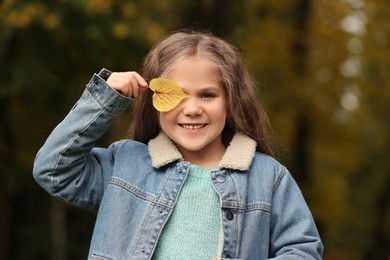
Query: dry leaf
[[167, 94]]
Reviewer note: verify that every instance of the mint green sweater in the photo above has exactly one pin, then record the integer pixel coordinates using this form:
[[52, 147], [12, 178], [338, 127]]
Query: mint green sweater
[[192, 232]]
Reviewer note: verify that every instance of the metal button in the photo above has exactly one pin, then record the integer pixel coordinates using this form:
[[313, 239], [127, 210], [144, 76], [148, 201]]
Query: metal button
[[221, 178], [229, 215]]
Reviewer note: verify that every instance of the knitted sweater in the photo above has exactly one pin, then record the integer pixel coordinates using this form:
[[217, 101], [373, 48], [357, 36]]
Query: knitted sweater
[[192, 231]]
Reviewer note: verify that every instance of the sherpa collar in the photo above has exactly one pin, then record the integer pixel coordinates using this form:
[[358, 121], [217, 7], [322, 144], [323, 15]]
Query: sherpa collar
[[238, 156]]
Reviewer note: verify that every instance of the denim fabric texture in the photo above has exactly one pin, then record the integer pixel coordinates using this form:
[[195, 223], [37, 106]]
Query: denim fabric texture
[[263, 212]]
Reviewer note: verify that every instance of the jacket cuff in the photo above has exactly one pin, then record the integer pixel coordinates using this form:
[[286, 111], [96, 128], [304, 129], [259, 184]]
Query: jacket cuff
[[109, 99], [104, 73]]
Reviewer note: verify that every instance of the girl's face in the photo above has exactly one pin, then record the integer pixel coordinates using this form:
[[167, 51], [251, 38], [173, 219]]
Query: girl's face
[[196, 124]]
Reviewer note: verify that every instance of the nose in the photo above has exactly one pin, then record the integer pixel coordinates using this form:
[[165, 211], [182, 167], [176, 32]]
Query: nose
[[191, 107]]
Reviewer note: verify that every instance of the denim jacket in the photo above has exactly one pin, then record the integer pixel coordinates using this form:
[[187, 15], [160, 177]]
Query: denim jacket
[[135, 186]]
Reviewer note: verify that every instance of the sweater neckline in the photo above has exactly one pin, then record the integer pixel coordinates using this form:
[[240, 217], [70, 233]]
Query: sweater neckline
[[200, 172]]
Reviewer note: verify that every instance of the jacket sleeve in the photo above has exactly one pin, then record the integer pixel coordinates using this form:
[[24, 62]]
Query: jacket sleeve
[[67, 165], [293, 232]]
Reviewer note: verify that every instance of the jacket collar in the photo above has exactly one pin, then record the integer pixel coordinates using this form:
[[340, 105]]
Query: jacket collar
[[238, 156]]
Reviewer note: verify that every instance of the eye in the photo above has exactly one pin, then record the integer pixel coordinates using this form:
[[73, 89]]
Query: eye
[[207, 95]]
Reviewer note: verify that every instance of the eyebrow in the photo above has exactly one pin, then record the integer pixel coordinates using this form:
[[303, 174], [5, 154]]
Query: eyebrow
[[210, 88], [207, 88]]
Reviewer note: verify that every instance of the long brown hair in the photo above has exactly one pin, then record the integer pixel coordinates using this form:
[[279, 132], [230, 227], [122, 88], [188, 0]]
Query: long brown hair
[[243, 113]]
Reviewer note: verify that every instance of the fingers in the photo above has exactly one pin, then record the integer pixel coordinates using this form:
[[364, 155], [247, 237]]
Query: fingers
[[129, 83]]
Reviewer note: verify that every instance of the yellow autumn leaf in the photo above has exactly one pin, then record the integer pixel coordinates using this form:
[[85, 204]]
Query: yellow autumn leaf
[[167, 94]]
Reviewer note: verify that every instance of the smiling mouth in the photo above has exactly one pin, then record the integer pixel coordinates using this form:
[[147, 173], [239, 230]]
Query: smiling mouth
[[192, 127]]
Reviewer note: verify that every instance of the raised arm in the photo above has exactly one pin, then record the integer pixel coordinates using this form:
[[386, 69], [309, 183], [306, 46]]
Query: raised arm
[[67, 165]]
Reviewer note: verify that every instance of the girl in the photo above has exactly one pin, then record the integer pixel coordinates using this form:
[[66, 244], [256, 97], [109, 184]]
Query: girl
[[196, 182]]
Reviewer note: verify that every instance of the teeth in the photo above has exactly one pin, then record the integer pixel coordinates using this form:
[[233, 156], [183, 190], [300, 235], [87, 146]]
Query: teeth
[[192, 127]]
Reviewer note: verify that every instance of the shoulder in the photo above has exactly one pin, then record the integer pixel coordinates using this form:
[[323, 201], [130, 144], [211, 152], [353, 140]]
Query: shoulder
[[129, 146], [267, 162], [267, 168], [131, 155]]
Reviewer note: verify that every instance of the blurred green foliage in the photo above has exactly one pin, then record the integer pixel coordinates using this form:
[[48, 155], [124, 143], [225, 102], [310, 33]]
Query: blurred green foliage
[[323, 73]]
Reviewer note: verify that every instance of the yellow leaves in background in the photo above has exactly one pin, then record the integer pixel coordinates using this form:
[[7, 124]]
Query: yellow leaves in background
[[167, 94], [121, 30], [52, 20], [23, 15], [99, 6]]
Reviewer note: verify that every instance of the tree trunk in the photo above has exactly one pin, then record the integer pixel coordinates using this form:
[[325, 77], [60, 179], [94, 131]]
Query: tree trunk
[[58, 230], [208, 16], [6, 158], [299, 54], [301, 148]]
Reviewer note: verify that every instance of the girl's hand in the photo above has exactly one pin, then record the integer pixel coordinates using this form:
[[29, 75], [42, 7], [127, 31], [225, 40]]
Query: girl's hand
[[129, 83]]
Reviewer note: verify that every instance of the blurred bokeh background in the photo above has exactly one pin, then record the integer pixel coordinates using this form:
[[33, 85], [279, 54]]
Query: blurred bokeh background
[[323, 72]]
